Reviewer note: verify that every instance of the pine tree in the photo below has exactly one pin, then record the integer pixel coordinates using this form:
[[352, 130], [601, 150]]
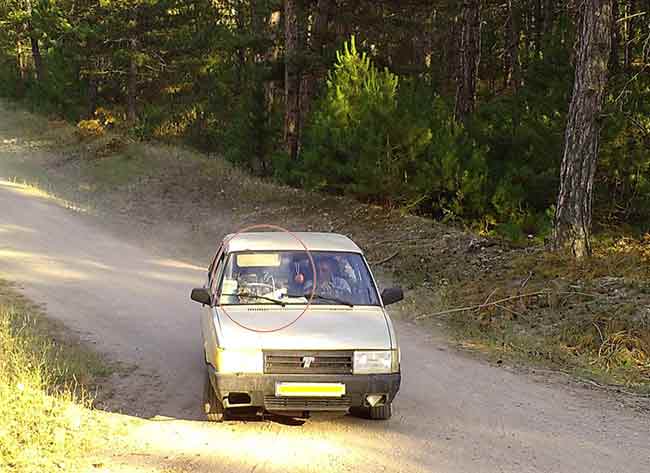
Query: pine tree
[[582, 137]]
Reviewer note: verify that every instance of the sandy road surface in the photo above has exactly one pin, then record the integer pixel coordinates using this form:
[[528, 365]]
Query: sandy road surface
[[453, 414]]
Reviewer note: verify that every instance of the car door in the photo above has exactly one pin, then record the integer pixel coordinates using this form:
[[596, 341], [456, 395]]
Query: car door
[[208, 329]]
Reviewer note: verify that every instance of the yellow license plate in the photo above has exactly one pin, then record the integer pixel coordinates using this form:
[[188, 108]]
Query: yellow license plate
[[310, 389]]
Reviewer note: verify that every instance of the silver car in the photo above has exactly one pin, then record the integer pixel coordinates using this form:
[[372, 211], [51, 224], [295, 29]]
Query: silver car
[[293, 323]]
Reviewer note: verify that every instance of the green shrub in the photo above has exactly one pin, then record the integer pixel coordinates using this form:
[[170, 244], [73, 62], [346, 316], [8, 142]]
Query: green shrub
[[351, 143], [389, 141]]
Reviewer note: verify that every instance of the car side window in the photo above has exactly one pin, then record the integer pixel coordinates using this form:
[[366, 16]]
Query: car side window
[[214, 262], [215, 275]]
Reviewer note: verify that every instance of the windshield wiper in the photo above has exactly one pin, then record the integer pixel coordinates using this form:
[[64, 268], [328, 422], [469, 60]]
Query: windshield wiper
[[255, 296], [307, 295]]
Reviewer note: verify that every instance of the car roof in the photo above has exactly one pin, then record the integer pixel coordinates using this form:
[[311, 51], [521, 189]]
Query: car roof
[[278, 241]]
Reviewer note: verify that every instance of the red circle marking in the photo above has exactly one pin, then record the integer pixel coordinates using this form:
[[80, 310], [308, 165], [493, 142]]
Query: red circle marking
[[313, 289]]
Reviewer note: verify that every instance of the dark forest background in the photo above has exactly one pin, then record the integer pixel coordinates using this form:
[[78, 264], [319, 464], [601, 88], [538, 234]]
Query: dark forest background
[[455, 110]]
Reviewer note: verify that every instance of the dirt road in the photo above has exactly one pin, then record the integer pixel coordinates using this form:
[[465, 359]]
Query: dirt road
[[453, 414]]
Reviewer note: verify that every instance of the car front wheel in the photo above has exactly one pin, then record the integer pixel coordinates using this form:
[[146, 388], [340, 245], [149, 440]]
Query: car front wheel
[[212, 406], [375, 413]]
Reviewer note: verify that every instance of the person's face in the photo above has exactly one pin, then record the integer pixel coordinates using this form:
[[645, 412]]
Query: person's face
[[324, 271]]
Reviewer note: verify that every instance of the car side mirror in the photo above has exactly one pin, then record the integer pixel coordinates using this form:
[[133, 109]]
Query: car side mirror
[[391, 295], [201, 294]]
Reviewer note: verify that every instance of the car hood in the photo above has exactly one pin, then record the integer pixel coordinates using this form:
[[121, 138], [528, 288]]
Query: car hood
[[319, 328]]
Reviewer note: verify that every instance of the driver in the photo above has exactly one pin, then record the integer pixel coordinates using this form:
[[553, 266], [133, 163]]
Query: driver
[[327, 282]]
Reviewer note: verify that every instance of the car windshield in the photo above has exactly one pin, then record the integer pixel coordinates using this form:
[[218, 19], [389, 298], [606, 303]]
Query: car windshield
[[286, 277]]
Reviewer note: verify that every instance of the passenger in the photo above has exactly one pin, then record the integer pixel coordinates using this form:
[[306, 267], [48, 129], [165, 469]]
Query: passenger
[[327, 282]]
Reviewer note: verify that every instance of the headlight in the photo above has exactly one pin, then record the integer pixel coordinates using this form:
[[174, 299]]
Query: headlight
[[376, 362], [240, 361]]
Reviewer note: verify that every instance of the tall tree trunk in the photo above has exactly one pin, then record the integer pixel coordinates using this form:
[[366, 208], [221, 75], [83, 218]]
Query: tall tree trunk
[[22, 69], [574, 203], [291, 77], [240, 51], [36, 49], [450, 54], [132, 83], [427, 45], [91, 94], [92, 59], [315, 70], [549, 16], [628, 29], [271, 58], [470, 57], [539, 26], [422, 45], [526, 37], [511, 56], [38, 59], [613, 64], [645, 51], [320, 30], [261, 33]]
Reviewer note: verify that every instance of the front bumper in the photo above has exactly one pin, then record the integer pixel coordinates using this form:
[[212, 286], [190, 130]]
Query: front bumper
[[261, 389]]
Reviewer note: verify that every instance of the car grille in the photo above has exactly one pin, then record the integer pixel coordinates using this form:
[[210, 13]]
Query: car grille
[[294, 362], [307, 403]]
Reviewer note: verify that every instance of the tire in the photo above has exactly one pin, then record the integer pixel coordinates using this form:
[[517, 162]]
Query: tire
[[380, 412], [212, 406], [375, 413]]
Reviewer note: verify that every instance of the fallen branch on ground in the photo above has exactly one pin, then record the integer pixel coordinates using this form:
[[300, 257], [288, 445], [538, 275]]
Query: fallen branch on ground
[[514, 312], [523, 284], [487, 299], [482, 306], [500, 301], [385, 260], [400, 240]]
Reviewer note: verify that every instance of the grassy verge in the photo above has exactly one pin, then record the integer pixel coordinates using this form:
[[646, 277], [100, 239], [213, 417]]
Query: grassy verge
[[46, 421], [590, 319]]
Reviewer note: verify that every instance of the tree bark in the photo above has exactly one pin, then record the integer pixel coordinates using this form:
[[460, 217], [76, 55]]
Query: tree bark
[[574, 203], [511, 56], [549, 17], [260, 28], [38, 59], [36, 49], [132, 83], [91, 93], [613, 64], [629, 10], [315, 69], [91, 59], [271, 57], [539, 26], [320, 29], [240, 51], [469, 59], [291, 78], [450, 54], [22, 69]]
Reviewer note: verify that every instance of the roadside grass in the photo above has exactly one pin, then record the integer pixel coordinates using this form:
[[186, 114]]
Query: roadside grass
[[47, 424], [591, 318]]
